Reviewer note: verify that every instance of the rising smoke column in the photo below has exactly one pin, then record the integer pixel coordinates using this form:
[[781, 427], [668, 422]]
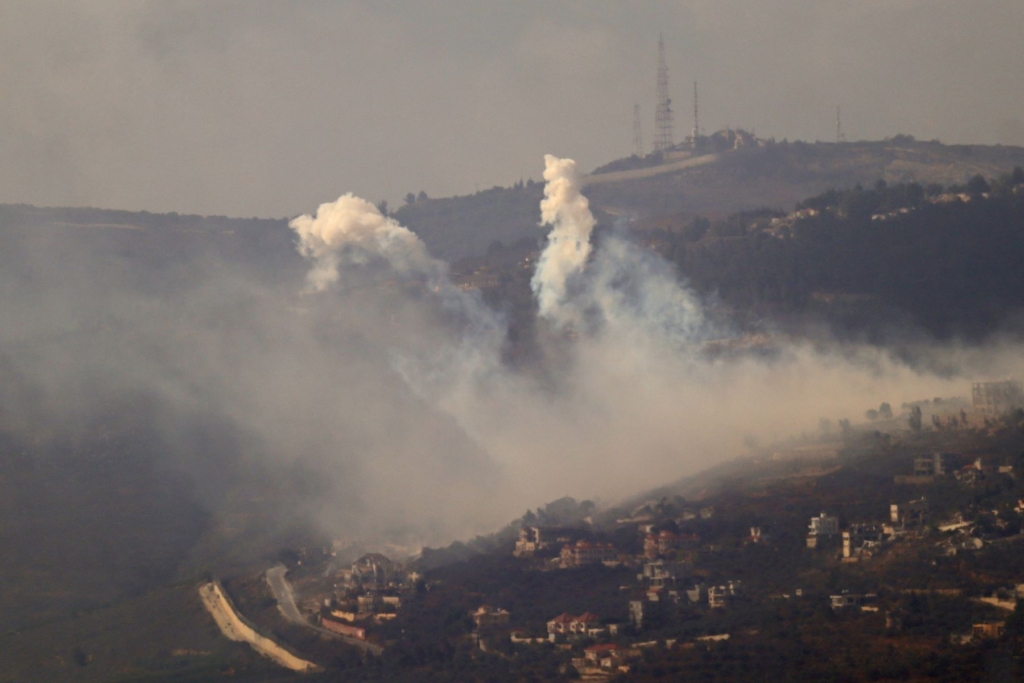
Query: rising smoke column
[[633, 293], [352, 230], [568, 213]]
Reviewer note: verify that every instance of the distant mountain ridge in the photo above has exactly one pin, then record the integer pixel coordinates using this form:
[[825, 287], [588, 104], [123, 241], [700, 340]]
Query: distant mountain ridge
[[752, 175]]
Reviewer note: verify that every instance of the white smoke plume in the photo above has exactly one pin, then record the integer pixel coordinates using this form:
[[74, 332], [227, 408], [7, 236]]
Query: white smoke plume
[[568, 212], [353, 230], [624, 290]]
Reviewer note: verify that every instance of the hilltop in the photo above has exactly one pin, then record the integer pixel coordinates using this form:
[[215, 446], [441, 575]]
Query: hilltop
[[888, 263], [733, 172]]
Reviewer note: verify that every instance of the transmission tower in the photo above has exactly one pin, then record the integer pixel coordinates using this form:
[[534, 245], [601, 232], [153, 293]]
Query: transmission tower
[[840, 135], [638, 140], [696, 120], [663, 110]]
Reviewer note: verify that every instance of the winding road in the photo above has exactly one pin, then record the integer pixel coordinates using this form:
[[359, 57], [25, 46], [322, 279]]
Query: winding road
[[282, 591]]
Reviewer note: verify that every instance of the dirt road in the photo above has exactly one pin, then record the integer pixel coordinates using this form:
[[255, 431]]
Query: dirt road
[[235, 629]]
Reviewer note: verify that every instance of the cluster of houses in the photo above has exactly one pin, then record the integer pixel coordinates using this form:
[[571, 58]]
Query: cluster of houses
[[367, 592], [573, 551], [665, 579], [864, 540], [928, 468]]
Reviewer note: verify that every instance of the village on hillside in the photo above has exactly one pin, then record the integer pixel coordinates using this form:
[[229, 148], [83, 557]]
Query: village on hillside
[[876, 543]]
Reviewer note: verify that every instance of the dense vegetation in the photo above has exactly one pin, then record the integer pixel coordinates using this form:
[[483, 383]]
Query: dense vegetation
[[867, 258]]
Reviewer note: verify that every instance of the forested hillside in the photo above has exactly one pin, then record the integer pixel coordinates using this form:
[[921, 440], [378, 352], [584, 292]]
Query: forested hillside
[[946, 262]]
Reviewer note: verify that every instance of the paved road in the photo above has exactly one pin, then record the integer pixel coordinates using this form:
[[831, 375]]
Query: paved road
[[283, 594], [282, 591]]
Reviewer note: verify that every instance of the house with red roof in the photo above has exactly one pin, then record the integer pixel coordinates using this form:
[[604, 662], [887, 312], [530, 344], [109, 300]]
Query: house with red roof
[[567, 624]]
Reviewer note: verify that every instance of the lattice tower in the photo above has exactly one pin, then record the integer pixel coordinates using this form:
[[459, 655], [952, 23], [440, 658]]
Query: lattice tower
[[638, 140], [663, 110]]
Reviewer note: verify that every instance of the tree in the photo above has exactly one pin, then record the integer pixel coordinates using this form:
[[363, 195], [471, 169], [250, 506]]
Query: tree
[[410, 198], [885, 411], [1017, 177], [915, 418], [422, 196], [382, 206], [977, 184], [1015, 622], [871, 414]]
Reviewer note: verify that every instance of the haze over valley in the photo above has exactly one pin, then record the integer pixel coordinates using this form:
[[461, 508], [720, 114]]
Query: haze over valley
[[310, 441]]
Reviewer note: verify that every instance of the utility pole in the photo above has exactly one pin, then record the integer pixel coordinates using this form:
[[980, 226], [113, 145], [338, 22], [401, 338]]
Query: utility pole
[[663, 110], [638, 141]]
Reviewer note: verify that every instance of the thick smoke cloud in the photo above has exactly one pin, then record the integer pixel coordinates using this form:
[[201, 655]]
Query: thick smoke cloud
[[357, 388], [630, 398], [350, 230]]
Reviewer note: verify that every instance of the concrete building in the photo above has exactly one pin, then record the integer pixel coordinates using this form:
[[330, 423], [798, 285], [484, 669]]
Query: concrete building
[[664, 543], [719, 596], [995, 398], [637, 613], [567, 624], [823, 526], [845, 600], [862, 540], [487, 617], [374, 571], [662, 573], [529, 542], [909, 514], [605, 656], [343, 629], [934, 464], [587, 552]]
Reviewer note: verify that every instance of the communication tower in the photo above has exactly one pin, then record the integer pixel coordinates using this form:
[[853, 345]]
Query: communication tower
[[638, 141], [840, 135], [696, 119], [663, 109]]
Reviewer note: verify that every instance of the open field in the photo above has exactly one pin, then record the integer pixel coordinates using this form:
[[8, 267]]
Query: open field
[[164, 635]]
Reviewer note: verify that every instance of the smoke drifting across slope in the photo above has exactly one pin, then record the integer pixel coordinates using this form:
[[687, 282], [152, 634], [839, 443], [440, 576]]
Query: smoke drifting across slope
[[632, 401], [377, 404]]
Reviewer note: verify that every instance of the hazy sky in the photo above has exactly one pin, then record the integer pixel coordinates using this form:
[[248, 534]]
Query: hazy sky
[[269, 108]]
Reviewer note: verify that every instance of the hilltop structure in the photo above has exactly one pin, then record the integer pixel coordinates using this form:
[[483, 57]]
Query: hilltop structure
[[663, 108]]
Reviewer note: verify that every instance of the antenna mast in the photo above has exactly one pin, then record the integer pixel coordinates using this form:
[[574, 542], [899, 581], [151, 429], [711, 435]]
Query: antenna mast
[[663, 110], [638, 141], [696, 120], [840, 135]]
